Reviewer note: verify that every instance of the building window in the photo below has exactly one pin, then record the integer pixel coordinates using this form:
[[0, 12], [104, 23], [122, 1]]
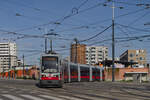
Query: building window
[[92, 51], [100, 51], [131, 60], [141, 58], [100, 55], [131, 54], [92, 47]]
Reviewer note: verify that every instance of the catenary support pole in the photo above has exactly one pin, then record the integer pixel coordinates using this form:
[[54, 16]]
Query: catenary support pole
[[113, 45], [51, 45], [23, 65], [45, 45]]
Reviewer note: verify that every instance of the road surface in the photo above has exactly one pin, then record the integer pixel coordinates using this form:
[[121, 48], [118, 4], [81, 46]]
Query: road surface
[[27, 90]]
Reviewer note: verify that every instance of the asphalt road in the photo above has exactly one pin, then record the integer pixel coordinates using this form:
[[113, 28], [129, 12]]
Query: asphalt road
[[27, 90]]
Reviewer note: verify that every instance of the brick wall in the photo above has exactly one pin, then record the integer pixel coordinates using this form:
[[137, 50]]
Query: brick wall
[[120, 72]]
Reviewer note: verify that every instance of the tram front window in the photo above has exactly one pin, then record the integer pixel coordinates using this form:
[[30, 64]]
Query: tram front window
[[50, 65]]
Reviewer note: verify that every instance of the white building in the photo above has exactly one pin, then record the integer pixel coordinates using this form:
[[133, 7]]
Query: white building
[[8, 56], [96, 54]]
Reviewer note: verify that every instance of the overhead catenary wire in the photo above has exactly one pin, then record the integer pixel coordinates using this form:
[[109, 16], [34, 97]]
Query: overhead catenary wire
[[130, 4], [96, 34], [139, 18], [133, 28], [94, 23], [76, 11], [90, 39], [108, 19], [122, 39]]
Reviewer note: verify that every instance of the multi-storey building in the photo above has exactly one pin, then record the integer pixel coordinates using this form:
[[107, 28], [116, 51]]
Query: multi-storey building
[[96, 54], [8, 56], [78, 53], [138, 56], [83, 54]]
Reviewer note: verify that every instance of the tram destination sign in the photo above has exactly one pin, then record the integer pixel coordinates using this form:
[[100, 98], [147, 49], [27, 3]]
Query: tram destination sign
[[50, 58]]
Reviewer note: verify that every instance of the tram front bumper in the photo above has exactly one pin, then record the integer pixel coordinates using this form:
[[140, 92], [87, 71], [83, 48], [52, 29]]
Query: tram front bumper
[[50, 82]]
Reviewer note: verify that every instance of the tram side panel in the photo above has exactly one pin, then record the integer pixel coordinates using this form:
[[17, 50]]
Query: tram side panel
[[94, 74], [74, 72], [98, 77], [65, 72], [84, 73]]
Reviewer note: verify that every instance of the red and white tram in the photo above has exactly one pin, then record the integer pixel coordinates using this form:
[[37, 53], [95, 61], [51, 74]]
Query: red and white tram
[[50, 71], [54, 71]]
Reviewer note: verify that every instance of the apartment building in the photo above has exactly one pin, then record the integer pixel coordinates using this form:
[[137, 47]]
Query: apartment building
[[96, 54], [83, 54], [78, 53], [8, 56], [138, 56]]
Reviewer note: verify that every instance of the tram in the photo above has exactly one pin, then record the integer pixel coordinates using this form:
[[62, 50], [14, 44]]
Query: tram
[[50, 71], [55, 71]]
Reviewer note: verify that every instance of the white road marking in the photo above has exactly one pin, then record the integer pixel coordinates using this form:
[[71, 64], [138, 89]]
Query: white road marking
[[88, 97], [4, 91], [32, 97], [51, 97], [12, 97], [71, 98]]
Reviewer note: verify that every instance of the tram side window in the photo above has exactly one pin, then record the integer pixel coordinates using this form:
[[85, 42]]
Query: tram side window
[[84, 71], [94, 71], [66, 69], [74, 70]]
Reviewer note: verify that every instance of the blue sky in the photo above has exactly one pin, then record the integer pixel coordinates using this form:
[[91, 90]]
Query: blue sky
[[85, 24]]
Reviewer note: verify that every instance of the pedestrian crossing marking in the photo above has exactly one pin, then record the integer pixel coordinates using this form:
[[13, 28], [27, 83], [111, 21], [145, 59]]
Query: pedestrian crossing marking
[[43, 97], [12, 97], [32, 97], [87, 97], [71, 98], [51, 97]]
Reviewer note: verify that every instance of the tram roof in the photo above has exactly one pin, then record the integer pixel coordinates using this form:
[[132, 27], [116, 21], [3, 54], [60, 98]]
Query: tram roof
[[84, 65]]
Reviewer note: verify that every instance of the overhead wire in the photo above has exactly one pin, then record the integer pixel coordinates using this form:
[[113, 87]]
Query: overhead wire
[[55, 22], [108, 19], [76, 11], [139, 18], [95, 35], [133, 28]]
